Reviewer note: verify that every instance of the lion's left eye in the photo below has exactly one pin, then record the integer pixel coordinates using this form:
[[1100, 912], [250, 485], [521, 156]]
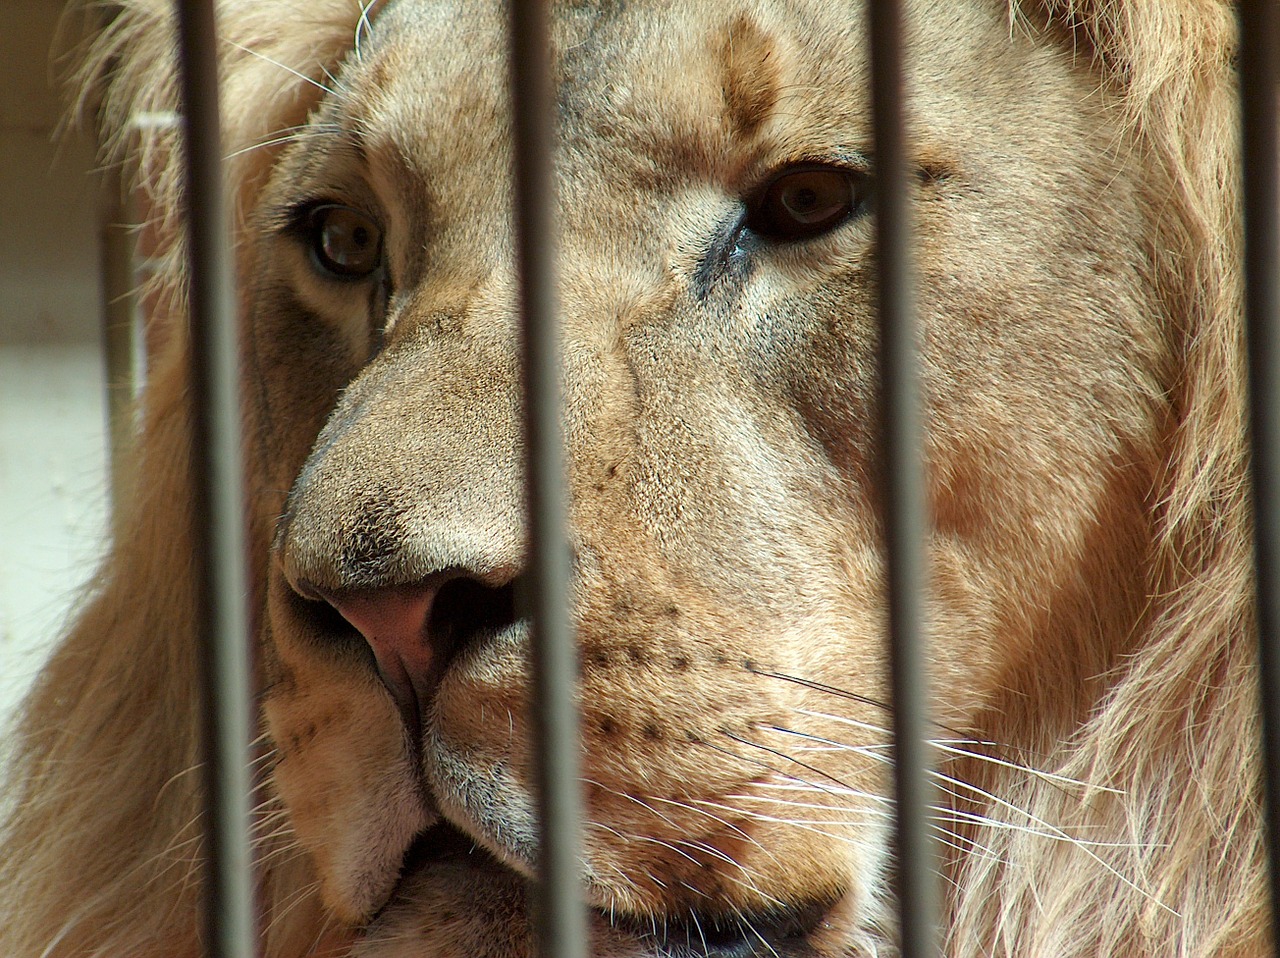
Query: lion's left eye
[[344, 242], [806, 202]]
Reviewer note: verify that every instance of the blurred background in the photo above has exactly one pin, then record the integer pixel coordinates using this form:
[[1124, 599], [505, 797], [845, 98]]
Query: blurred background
[[54, 446]]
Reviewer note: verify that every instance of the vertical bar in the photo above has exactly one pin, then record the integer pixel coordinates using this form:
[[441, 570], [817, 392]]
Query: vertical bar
[[904, 490], [224, 634], [558, 910], [1259, 80]]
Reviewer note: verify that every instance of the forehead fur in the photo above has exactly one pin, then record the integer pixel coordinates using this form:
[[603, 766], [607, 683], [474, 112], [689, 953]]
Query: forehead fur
[[711, 75]]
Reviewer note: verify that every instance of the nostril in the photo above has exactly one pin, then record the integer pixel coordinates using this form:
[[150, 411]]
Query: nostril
[[412, 630], [466, 610], [323, 620]]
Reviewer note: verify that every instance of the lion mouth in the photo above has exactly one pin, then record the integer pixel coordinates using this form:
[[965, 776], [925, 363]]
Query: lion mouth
[[445, 868], [785, 932], [444, 843]]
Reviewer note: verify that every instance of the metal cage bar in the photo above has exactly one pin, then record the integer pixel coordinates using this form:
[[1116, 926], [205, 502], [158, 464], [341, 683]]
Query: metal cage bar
[[1259, 82], [219, 501], [559, 913], [902, 472]]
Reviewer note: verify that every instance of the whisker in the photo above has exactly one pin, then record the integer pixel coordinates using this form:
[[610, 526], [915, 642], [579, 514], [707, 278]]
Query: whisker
[[364, 26], [800, 785], [676, 804], [783, 755], [1030, 770], [284, 136], [1055, 830], [957, 747], [875, 812], [845, 720], [693, 807], [331, 91], [995, 824], [698, 927], [291, 902], [822, 687], [752, 928], [813, 825]]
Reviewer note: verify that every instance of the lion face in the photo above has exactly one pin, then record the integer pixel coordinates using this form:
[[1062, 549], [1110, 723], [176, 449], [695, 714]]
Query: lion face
[[716, 178]]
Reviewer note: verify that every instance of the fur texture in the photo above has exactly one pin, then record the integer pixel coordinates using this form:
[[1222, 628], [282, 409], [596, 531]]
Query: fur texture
[[1078, 250]]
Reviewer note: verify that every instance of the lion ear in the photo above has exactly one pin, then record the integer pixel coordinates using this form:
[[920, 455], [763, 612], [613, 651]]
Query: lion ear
[[277, 59]]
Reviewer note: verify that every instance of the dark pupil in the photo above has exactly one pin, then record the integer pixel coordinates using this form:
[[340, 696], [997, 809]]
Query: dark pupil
[[348, 245], [803, 200]]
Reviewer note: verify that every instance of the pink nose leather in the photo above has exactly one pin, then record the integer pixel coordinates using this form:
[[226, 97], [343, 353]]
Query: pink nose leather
[[394, 622]]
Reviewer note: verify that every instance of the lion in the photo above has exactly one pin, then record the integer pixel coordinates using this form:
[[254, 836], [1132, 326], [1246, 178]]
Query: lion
[[1076, 245]]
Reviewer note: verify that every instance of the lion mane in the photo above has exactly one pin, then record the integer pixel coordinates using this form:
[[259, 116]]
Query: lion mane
[[1136, 833]]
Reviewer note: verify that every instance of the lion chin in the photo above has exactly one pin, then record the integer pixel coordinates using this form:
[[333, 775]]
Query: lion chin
[[1075, 245]]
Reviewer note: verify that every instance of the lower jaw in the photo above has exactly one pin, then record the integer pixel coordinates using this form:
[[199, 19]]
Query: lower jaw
[[456, 900]]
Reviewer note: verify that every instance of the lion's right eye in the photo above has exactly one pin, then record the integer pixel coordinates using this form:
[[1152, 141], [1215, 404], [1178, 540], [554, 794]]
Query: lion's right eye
[[806, 201], [344, 242]]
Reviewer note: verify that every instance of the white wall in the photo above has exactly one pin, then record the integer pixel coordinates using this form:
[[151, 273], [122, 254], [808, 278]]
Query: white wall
[[53, 488]]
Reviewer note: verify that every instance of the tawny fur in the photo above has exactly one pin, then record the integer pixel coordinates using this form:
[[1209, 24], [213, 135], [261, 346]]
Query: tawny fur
[[101, 840]]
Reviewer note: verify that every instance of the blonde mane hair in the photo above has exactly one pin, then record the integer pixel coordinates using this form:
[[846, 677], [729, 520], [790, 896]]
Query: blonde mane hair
[[101, 838], [1171, 753]]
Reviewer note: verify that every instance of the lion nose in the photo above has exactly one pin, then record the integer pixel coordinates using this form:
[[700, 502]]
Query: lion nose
[[394, 622], [414, 630]]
